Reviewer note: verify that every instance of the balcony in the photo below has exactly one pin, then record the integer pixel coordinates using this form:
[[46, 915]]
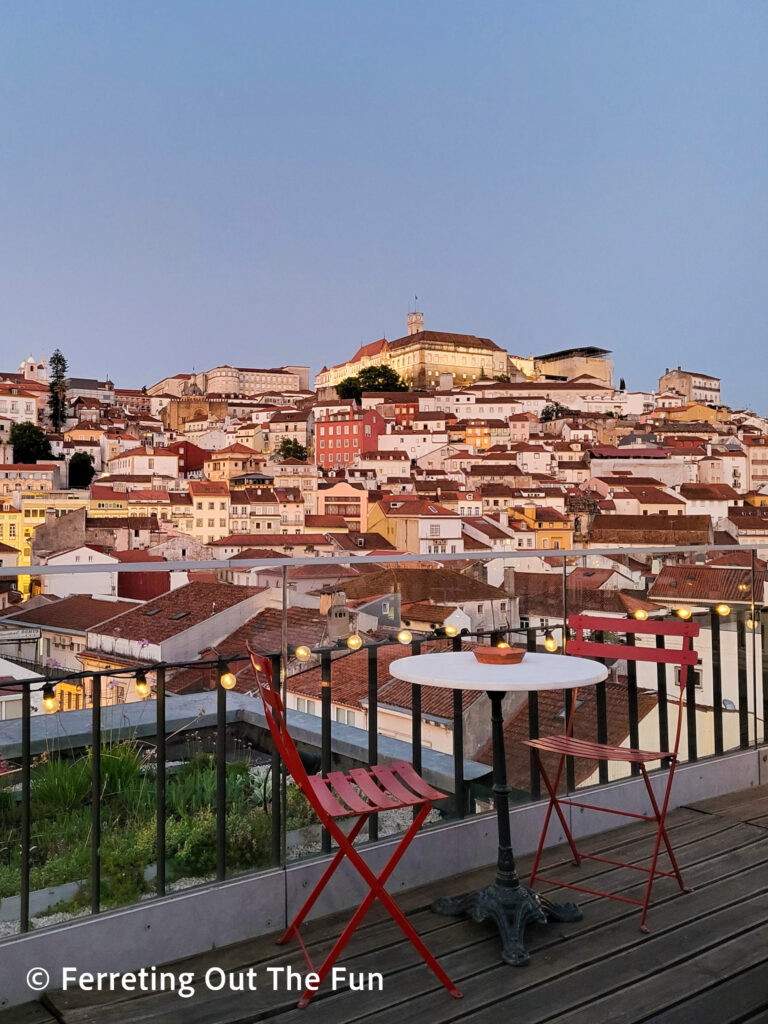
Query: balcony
[[136, 833]]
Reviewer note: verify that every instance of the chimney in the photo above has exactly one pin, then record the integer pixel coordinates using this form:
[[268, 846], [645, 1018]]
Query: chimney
[[415, 323]]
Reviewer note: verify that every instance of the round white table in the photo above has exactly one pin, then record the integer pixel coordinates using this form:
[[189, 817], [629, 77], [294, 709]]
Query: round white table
[[510, 905]]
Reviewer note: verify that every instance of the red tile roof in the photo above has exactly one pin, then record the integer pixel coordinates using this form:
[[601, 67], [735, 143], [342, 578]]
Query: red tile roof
[[80, 612]]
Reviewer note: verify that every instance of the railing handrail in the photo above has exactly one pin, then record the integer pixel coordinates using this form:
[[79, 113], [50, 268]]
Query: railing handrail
[[352, 556]]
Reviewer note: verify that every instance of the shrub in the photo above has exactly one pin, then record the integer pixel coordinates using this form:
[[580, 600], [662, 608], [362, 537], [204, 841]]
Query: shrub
[[60, 785]]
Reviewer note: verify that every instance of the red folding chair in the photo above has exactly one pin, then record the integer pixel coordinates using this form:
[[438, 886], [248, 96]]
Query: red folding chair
[[359, 793], [568, 745]]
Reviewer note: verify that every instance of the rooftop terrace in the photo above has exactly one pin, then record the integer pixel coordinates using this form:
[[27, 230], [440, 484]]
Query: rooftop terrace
[[704, 960]]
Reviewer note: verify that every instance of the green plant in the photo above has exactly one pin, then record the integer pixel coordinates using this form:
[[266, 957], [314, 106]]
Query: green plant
[[299, 811], [60, 785]]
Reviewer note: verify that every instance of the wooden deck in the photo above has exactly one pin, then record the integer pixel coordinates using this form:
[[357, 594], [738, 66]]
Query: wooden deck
[[704, 962]]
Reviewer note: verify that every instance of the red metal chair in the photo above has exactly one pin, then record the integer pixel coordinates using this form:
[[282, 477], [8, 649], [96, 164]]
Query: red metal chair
[[567, 745], [359, 793]]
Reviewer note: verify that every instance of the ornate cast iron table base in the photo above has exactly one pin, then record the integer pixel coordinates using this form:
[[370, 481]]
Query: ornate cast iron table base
[[508, 904], [511, 910]]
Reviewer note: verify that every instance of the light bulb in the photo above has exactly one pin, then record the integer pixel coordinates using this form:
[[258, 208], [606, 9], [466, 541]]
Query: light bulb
[[451, 630], [549, 641], [502, 643], [640, 614], [142, 686], [684, 613], [723, 609], [404, 636], [49, 698], [751, 623], [227, 679], [354, 642], [302, 653]]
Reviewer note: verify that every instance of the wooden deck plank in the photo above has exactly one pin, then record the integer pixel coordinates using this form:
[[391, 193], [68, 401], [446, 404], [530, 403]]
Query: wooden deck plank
[[557, 951], [730, 1001], [752, 802], [27, 1013], [653, 994], [603, 956], [687, 829], [383, 935]]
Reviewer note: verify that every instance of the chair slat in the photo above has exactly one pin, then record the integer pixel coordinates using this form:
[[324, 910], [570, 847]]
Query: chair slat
[[325, 798], [410, 776], [664, 656], [394, 786], [348, 793], [377, 796]]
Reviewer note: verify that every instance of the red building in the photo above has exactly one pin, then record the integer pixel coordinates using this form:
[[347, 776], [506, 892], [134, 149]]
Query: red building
[[191, 458], [341, 436], [141, 586]]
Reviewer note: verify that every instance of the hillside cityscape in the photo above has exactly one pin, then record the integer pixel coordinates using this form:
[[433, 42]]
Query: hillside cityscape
[[433, 444]]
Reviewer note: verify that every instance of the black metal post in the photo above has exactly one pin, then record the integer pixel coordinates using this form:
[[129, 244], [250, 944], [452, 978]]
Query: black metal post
[[663, 706], [416, 716], [325, 729], [717, 681], [633, 708], [221, 782], [96, 794], [690, 711], [160, 779], [741, 650], [533, 722], [277, 776], [26, 789], [458, 744], [506, 873], [764, 669], [373, 726]]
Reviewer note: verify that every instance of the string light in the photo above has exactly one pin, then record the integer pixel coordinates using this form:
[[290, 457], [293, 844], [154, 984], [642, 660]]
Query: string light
[[49, 697], [404, 636], [640, 614], [549, 641], [502, 644], [227, 679], [751, 623], [302, 653], [142, 686], [684, 613], [723, 609], [451, 630], [354, 642]]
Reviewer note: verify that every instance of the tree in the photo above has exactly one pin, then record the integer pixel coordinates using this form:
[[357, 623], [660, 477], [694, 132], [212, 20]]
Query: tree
[[554, 411], [502, 378], [289, 448], [81, 470], [371, 378], [622, 385], [57, 399], [350, 387], [30, 443]]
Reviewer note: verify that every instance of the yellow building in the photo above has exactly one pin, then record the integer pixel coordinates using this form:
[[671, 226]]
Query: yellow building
[[421, 356], [554, 530], [230, 462], [696, 412], [83, 431]]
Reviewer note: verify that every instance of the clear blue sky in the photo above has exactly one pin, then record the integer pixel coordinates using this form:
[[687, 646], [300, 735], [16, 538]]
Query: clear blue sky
[[186, 183]]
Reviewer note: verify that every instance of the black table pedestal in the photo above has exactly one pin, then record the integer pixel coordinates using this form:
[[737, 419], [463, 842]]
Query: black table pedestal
[[508, 904]]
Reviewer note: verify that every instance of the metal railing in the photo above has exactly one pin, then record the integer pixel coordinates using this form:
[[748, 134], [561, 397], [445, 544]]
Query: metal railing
[[738, 668]]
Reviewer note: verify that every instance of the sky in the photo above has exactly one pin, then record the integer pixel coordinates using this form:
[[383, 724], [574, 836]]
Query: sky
[[185, 183]]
